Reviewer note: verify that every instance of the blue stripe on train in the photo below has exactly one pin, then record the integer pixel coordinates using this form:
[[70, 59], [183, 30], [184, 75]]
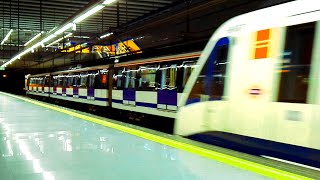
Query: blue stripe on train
[[142, 104], [196, 100], [83, 97], [101, 99], [259, 147], [117, 101], [150, 105]]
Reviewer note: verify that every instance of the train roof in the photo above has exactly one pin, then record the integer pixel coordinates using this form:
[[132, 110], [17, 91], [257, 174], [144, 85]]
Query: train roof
[[191, 55], [292, 13]]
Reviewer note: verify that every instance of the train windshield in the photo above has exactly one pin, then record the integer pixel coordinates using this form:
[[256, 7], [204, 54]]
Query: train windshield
[[210, 83]]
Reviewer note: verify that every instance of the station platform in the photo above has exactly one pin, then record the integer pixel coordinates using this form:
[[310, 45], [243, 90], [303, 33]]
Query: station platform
[[43, 141]]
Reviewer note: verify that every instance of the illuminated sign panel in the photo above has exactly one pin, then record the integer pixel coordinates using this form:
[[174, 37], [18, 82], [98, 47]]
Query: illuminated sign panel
[[78, 49], [122, 47]]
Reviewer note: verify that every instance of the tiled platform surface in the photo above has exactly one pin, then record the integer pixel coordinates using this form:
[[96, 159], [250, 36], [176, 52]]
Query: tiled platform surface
[[39, 143]]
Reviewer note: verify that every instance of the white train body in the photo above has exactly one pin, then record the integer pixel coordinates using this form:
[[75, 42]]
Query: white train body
[[150, 86], [270, 88]]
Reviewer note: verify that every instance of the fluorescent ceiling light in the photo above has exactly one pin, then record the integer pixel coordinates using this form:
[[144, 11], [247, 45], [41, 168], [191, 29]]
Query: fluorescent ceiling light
[[7, 37], [36, 45], [106, 2], [13, 44], [106, 35], [49, 38], [63, 29], [82, 37], [74, 27], [56, 41], [33, 39], [88, 13]]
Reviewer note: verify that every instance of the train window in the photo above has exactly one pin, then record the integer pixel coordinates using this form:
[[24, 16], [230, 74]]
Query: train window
[[187, 70], [117, 79], [76, 80], [65, 81], [91, 79], [147, 78], [47, 81], [83, 80], [60, 80], [30, 81], [55, 81], [39, 81], [101, 80], [183, 73], [295, 68], [210, 83], [42, 81], [130, 77], [168, 77], [69, 80]]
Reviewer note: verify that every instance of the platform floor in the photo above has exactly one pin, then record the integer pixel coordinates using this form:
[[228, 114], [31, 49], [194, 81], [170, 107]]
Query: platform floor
[[40, 143]]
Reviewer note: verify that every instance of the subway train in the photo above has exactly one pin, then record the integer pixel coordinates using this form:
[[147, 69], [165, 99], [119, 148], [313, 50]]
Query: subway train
[[257, 85], [143, 92]]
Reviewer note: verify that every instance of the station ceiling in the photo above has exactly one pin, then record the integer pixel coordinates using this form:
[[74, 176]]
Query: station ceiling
[[158, 22], [33, 16], [27, 18]]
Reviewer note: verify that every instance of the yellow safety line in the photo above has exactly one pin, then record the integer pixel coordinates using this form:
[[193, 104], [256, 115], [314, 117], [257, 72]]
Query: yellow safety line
[[227, 159]]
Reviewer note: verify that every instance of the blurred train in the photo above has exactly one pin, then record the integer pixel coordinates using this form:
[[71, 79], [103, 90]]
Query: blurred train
[[143, 92], [257, 88]]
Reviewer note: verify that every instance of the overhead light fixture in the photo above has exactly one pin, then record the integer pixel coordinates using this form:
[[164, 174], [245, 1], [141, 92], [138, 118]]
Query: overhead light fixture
[[82, 37], [56, 41], [58, 32], [33, 39], [106, 35], [63, 29], [106, 2], [74, 27], [88, 13], [48, 38], [6, 37]]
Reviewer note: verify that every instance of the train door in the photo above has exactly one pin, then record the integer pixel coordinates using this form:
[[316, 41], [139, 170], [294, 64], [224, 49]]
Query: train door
[[69, 86], [54, 84], [101, 87], [167, 91], [36, 84], [130, 83], [292, 113], [41, 85], [46, 84], [64, 85], [90, 89], [75, 85], [83, 91]]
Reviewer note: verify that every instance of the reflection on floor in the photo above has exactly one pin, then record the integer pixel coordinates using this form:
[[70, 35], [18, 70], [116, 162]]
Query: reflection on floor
[[38, 143]]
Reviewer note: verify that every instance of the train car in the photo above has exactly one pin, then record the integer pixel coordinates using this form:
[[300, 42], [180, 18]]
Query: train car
[[257, 88], [146, 91], [38, 85]]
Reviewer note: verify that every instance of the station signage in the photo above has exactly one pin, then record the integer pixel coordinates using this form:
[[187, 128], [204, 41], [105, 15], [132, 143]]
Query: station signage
[[118, 48]]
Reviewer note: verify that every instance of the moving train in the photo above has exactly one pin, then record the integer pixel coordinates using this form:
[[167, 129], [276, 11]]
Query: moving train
[[143, 92], [257, 88]]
